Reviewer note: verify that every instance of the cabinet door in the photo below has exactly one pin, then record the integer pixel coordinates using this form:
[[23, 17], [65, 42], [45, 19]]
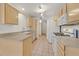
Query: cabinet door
[[11, 15], [63, 10], [34, 25], [30, 21], [8, 47], [27, 46], [60, 46], [71, 51], [73, 12], [2, 13]]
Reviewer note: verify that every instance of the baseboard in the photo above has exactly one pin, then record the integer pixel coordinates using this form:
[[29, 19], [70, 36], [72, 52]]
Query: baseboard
[[49, 42], [43, 34], [34, 40]]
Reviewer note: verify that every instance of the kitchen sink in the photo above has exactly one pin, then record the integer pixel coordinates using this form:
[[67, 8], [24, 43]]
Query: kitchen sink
[[61, 34]]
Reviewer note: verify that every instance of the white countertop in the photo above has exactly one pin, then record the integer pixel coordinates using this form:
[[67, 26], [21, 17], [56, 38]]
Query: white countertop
[[15, 36]]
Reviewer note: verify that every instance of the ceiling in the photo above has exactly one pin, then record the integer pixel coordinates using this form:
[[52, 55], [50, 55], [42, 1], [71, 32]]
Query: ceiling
[[33, 8]]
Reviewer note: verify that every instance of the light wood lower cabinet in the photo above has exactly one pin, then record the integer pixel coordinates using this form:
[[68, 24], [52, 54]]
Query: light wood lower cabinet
[[71, 51], [60, 48], [66, 46], [13, 47], [27, 47]]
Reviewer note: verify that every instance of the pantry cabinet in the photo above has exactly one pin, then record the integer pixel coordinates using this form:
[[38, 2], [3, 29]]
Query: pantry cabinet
[[32, 23], [73, 12], [8, 14], [29, 21]]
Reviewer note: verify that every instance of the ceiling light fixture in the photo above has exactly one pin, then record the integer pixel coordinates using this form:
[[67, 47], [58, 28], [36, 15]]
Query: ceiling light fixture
[[71, 14], [41, 14], [40, 6], [40, 21], [75, 11], [23, 9], [41, 9]]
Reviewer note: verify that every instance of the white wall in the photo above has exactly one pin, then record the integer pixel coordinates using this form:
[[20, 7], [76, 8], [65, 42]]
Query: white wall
[[70, 28], [44, 27], [5, 28], [38, 28], [51, 27], [62, 20]]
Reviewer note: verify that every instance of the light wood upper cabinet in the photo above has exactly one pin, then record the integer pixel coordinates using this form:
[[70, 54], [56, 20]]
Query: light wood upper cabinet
[[2, 9], [11, 15], [8, 14], [73, 12], [64, 9]]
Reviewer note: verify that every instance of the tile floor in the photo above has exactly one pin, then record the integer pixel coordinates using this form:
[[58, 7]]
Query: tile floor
[[41, 47]]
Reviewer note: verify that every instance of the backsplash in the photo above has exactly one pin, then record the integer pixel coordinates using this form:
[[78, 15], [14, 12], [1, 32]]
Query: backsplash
[[5, 28], [71, 30]]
